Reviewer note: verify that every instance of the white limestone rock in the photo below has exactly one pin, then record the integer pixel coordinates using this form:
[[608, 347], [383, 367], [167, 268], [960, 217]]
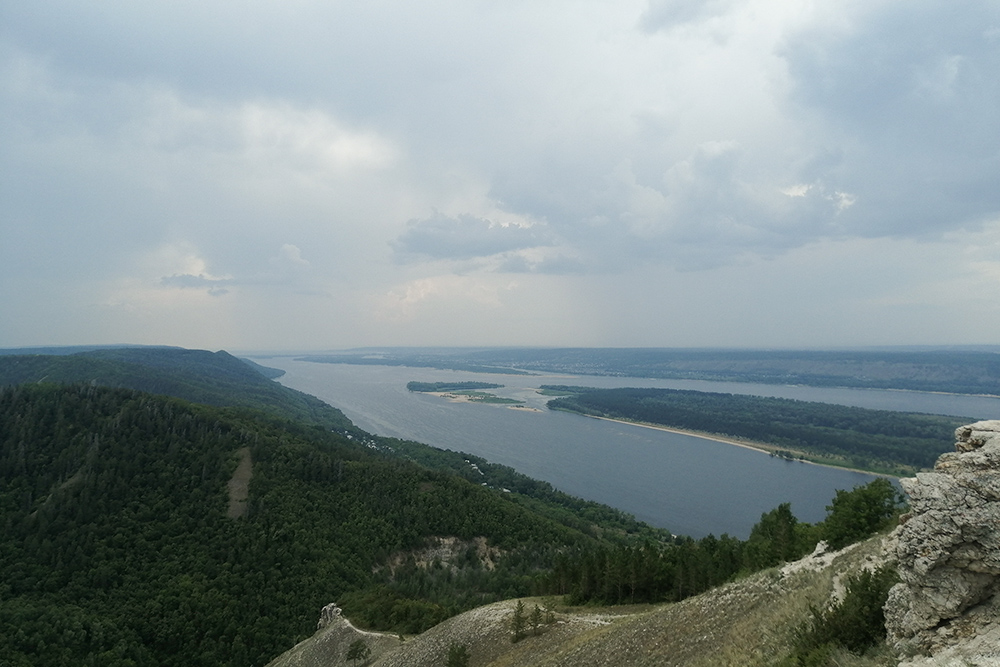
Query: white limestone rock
[[948, 549]]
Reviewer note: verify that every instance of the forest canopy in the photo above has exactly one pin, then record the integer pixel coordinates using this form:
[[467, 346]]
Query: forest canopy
[[876, 440]]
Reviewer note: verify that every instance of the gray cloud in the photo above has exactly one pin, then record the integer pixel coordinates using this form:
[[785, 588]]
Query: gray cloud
[[665, 14], [156, 152], [908, 101], [214, 286], [462, 237]]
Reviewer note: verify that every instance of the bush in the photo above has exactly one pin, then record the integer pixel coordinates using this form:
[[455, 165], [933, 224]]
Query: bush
[[857, 623]]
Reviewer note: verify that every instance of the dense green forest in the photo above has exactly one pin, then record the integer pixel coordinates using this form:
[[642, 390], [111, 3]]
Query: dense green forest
[[118, 547], [220, 379], [450, 386], [212, 378], [875, 440]]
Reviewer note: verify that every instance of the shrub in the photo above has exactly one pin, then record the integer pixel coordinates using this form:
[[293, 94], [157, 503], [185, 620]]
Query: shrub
[[857, 623]]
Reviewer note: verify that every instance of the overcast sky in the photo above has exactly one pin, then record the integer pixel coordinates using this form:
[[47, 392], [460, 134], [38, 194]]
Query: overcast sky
[[307, 174]]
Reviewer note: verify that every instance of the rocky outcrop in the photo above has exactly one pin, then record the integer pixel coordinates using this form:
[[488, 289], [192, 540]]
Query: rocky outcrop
[[327, 615], [948, 549], [331, 644]]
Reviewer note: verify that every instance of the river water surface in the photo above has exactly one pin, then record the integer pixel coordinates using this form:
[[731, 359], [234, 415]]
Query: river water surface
[[689, 485]]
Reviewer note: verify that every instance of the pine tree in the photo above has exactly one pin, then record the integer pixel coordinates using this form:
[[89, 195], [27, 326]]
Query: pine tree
[[517, 623], [535, 619], [358, 651], [458, 655]]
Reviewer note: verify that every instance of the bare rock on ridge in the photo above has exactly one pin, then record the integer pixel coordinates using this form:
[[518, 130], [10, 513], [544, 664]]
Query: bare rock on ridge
[[948, 548]]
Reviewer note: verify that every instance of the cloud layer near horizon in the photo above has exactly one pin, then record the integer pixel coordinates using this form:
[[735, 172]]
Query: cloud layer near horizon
[[308, 175]]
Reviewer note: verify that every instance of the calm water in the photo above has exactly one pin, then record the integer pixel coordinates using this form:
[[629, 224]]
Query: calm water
[[689, 485]]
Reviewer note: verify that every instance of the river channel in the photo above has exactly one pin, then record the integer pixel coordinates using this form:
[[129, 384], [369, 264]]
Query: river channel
[[689, 485]]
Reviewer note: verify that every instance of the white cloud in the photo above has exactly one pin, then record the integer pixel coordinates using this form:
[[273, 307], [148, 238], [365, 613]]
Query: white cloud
[[799, 190]]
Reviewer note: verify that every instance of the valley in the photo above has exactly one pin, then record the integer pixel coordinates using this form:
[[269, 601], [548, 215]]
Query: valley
[[237, 507]]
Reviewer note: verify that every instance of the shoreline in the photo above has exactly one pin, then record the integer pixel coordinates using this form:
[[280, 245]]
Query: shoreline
[[464, 398], [754, 445]]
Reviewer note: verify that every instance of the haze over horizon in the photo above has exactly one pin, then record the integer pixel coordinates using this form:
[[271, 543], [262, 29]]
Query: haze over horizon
[[313, 175]]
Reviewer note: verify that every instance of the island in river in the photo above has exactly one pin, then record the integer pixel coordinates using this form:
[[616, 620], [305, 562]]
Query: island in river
[[466, 392]]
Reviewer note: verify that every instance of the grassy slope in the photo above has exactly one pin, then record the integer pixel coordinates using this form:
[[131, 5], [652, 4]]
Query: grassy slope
[[748, 623]]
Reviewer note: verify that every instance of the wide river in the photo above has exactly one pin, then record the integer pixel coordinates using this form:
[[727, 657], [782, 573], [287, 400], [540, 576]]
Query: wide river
[[687, 484]]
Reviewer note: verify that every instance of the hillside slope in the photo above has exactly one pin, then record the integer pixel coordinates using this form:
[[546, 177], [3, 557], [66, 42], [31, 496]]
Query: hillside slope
[[120, 546], [746, 623], [943, 611], [211, 378]]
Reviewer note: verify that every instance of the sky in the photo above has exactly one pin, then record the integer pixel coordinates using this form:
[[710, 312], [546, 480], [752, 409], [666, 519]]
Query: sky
[[305, 174]]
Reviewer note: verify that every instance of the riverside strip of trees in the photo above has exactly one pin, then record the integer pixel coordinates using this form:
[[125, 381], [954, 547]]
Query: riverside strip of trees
[[877, 440]]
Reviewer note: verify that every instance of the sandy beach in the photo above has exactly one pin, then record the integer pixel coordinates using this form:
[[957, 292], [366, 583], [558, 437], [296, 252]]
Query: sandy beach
[[465, 398], [747, 444]]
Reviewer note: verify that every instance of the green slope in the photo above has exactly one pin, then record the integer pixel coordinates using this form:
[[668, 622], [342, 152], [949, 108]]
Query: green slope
[[212, 378], [118, 548], [221, 379]]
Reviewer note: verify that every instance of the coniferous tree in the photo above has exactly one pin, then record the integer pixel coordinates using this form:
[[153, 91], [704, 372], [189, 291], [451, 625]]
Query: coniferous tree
[[517, 623], [458, 655], [535, 619], [358, 650]]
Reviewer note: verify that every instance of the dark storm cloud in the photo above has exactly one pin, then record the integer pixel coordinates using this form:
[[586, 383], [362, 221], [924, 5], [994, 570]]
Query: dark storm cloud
[[909, 101], [155, 152]]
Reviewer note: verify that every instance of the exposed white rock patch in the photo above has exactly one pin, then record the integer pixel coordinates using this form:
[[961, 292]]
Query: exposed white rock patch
[[239, 485], [948, 550]]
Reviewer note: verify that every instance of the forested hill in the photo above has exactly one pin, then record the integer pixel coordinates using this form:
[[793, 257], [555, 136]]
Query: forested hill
[[119, 547], [212, 378], [220, 379]]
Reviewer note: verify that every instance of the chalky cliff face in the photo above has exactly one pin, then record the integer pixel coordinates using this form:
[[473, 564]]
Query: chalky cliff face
[[948, 549]]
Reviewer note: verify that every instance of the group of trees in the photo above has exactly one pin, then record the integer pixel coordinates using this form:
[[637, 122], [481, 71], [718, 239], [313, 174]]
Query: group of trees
[[210, 378], [113, 509], [877, 440], [855, 624], [450, 386], [523, 623], [657, 572]]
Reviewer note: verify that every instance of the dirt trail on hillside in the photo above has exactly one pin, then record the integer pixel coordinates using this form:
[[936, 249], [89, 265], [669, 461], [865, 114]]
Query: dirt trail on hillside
[[239, 485]]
